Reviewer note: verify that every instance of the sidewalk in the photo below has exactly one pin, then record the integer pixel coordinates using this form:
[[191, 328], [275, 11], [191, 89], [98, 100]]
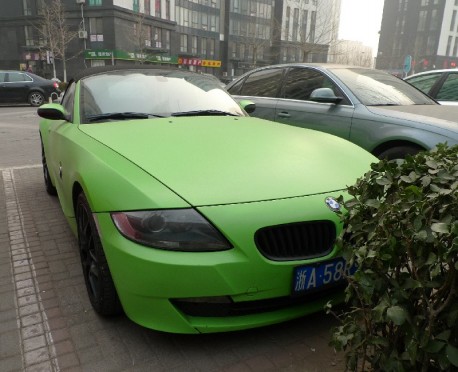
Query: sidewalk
[[47, 323]]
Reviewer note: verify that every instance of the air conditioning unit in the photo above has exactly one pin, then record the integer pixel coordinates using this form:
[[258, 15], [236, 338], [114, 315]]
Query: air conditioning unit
[[81, 1], [82, 34]]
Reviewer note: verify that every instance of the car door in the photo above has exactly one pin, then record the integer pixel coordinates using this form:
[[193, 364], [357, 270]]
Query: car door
[[262, 87], [17, 86], [58, 144], [447, 91], [3, 95], [294, 106], [425, 82]]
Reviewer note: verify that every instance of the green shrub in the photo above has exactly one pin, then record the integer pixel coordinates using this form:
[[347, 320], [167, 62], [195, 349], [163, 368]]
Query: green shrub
[[401, 230]]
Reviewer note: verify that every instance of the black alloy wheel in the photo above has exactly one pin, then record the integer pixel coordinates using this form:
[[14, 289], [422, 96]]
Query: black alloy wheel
[[400, 152], [99, 283], [50, 189], [36, 99]]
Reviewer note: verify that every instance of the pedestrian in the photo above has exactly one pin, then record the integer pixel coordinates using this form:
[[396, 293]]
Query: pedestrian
[[29, 69]]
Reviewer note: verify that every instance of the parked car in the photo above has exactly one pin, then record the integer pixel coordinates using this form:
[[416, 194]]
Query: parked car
[[25, 87], [377, 111], [441, 85], [190, 215]]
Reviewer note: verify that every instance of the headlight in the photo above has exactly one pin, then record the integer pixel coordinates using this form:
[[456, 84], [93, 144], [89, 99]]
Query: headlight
[[174, 229]]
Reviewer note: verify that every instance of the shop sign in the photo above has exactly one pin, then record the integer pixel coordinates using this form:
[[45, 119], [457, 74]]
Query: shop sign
[[198, 62], [129, 56]]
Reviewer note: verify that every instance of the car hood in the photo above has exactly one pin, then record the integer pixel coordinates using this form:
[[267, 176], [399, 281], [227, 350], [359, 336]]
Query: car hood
[[445, 117], [221, 160]]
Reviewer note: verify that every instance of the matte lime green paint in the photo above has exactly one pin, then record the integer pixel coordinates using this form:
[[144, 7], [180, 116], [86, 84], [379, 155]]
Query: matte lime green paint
[[241, 173], [219, 160], [242, 272]]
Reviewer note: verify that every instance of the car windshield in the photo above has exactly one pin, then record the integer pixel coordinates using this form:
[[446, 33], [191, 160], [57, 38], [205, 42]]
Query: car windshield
[[377, 88], [130, 94]]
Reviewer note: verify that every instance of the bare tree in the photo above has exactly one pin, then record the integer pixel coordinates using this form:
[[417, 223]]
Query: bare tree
[[55, 33], [311, 30], [140, 37]]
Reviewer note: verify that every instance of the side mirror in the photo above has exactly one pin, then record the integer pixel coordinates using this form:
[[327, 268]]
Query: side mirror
[[248, 106], [325, 95], [52, 111]]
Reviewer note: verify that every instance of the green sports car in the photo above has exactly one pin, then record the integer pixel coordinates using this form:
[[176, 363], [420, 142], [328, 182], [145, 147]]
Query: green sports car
[[191, 216]]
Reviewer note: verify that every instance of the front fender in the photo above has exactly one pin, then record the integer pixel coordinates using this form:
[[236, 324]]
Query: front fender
[[109, 181]]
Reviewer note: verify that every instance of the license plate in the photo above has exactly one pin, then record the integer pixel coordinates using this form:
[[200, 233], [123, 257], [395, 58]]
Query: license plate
[[310, 277]]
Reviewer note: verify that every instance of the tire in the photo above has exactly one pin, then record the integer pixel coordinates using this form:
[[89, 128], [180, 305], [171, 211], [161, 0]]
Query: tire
[[99, 283], [36, 99], [399, 152], [50, 189]]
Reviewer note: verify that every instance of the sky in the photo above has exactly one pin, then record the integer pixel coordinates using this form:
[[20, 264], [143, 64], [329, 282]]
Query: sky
[[360, 20]]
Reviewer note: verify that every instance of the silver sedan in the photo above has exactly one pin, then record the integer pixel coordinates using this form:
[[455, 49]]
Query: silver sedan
[[377, 111]]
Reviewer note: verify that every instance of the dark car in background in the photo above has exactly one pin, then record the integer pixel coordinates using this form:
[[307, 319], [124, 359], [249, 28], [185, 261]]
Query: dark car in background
[[441, 85], [26, 87], [371, 108]]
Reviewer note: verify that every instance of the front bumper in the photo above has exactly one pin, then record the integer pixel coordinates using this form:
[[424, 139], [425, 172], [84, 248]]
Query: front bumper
[[152, 283]]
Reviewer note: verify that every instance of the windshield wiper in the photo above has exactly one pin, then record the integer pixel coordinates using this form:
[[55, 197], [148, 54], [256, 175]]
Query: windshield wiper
[[383, 104], [204, 113], [120, 116]]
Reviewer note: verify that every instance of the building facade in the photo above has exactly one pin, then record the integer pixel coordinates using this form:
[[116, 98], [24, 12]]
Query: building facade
[[418, 35], [221, 37]]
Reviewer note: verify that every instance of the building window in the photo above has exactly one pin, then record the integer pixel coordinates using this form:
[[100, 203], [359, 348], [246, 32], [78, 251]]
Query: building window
[[232, 48], [27, 5], [136, 6], [305, 16], [184, 43], [194, 44], [236, 6], [157, 8], [435, 23], [166, 38], [295, 23], [449, 45], [455, 48], [195, 18], [452, 23], [167, 9], [214, 23], [157, 37], [211, 51], [204, 20], [203, 47], [312, 26], [29, 40], [96, 2], [287, 21], [96, 29], [147, 7], [422, 20]]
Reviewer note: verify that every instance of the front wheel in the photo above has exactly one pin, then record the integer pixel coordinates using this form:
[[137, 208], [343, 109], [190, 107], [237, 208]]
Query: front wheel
[[399, 152], [99, 283], [36, 99]]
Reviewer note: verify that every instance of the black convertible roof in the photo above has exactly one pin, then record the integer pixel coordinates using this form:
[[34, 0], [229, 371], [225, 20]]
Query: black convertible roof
[[102, 69]]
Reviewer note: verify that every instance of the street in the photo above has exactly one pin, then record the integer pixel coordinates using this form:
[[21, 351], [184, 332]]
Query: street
[[47, 322]]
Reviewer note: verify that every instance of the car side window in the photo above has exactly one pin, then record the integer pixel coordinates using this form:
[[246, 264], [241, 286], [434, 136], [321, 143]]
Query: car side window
[[68, 99], [14, 77], [235, 89], [449, 90], [263, 83], [299, 84], [424, 82], [2, 77]]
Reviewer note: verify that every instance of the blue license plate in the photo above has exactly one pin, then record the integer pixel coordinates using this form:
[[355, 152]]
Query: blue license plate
[[311, 277]]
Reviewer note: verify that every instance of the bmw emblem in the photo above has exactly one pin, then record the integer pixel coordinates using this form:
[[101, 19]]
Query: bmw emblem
[[332, 204]]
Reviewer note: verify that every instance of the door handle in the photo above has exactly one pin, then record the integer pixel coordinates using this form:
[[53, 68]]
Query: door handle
[[284, 114]]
